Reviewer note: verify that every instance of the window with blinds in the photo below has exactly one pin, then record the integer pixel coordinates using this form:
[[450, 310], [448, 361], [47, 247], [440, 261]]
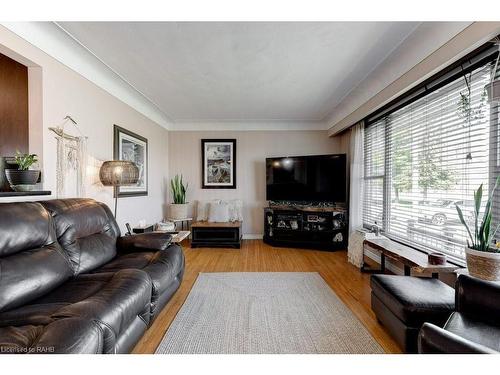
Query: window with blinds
[[424, 158]]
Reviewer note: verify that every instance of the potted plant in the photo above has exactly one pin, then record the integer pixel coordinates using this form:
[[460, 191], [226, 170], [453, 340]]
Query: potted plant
[[483, 260], [23, 178], [179, 207]]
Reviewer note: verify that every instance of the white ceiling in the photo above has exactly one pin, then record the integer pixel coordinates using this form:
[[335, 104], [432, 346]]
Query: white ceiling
[[242, 72]]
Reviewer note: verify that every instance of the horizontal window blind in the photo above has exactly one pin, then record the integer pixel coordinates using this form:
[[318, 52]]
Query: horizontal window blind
[[426, 157]]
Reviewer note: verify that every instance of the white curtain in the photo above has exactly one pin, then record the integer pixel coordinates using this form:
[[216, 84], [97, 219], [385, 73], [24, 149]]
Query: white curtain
[[356, 160]]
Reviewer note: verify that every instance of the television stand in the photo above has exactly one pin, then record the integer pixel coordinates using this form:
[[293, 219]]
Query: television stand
[[311, 227]]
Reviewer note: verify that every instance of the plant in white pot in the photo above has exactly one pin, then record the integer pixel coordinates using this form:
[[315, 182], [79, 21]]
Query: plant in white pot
[[179, 207], [483, 259]]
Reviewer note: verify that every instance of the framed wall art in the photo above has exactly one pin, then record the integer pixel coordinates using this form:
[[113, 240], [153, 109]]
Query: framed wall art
[[132, 147], [218, 163]]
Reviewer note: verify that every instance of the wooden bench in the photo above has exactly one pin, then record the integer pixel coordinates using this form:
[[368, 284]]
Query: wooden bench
[[206, 234], [412, 260]]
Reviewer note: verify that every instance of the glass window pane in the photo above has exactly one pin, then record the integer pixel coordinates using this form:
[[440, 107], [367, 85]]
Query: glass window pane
[[438, 152]]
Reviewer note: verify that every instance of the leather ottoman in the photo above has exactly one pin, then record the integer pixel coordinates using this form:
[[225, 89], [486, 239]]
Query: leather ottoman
[[404, 303]]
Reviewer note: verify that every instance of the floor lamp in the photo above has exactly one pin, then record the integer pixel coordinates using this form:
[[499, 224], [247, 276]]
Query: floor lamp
[[118, 173]]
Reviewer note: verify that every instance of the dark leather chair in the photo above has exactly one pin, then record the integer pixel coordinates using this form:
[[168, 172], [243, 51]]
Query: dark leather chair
[[473, 328], [56, 294], [404, 303]]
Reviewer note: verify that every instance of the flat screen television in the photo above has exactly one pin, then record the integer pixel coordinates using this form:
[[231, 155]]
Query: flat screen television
[[317, 178]]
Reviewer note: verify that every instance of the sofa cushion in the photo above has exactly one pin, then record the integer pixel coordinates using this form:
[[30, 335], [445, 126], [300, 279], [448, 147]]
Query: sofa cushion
[[414, 300], [86, 230], [474, 330], [86, 337], [113, 300], [163, 267], [31, 261]]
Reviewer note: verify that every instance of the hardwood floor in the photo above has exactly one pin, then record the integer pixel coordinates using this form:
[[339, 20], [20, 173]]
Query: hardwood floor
[[352, 286]]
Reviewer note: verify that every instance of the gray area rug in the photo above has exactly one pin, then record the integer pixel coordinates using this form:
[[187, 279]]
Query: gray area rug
[[272, 313]]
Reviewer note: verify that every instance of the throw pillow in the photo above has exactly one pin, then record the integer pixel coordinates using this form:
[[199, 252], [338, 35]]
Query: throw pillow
[[218, 212], [235, 210], [202, 211], [202, 208]]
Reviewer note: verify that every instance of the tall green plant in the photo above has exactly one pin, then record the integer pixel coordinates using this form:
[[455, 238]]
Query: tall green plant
[[481, 238], [178, 190]]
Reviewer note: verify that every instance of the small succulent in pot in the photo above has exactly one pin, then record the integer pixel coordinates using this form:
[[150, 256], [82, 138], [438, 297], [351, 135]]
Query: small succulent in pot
[[23, 178], [25, 161]]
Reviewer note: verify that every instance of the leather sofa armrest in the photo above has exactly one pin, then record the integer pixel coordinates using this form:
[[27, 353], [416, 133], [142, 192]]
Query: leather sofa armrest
[[144, 242], [477, 297], [70, 336], [435, 340]]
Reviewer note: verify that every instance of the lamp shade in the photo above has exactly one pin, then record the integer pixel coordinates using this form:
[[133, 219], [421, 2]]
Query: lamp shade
[[118, 173]]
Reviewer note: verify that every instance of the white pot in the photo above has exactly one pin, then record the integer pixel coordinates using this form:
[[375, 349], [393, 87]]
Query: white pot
[[178, 211], [493, 90], [483, 265]]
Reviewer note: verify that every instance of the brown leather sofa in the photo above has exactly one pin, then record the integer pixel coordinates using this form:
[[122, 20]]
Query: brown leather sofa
[[69, 283]]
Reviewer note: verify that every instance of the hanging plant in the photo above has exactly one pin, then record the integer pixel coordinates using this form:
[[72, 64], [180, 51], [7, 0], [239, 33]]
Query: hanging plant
[[469, 113], [465, 110]]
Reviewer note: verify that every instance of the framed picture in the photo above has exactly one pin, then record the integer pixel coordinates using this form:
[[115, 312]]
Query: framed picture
[[132, 147], [218, 163]]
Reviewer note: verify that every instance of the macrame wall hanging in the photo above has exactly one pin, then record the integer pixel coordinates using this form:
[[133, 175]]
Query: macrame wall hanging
[[71, 160]]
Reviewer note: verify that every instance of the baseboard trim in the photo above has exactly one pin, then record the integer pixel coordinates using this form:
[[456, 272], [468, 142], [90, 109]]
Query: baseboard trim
[[253, 236]]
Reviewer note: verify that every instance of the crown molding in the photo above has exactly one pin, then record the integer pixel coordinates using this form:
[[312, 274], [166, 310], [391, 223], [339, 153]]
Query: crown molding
[[281, 125], [54, 41]]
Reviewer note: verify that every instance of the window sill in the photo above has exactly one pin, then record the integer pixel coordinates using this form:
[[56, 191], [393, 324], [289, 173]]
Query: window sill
[[452, 260]]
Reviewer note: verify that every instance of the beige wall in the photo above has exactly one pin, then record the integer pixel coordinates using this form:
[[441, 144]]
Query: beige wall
[[252, 148], [65, 92]]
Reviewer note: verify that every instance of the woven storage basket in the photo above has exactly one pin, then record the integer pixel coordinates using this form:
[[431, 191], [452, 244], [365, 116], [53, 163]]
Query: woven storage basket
[[483, 265]]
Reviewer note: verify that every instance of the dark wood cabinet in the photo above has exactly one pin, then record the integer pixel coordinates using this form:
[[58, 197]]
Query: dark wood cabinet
[[312, 228], [205, 234]]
